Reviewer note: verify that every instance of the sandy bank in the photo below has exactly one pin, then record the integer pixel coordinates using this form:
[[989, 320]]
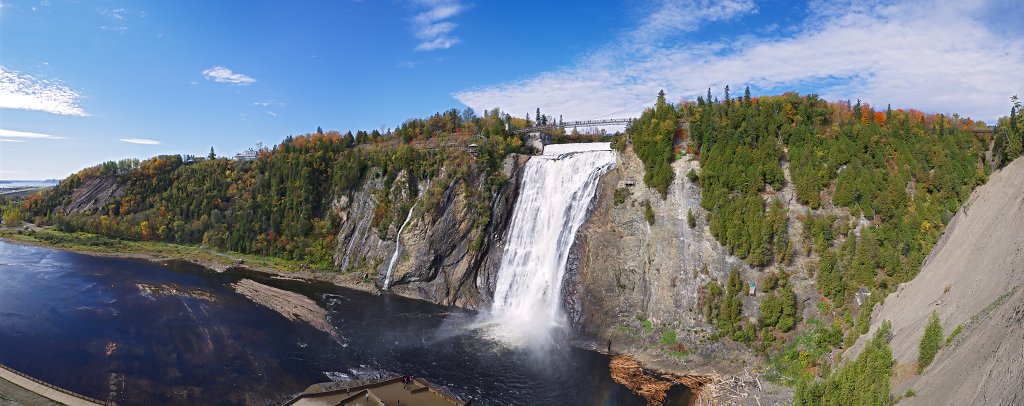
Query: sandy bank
[[291, 305]]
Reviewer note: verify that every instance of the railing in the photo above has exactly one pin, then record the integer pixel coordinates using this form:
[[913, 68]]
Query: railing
[[580, 123], [48, 385]]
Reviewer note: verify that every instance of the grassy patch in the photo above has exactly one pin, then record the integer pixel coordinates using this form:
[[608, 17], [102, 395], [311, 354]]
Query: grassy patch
[[648, 326], [97, 244], [668, 336]]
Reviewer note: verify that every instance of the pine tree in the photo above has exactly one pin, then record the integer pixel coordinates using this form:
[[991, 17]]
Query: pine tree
[[212, 154], [930, 342]]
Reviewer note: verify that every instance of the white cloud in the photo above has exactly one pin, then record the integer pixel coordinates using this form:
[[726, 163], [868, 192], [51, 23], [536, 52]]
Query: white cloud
[[25, 92], [682, 15], [432, 26], [141, 141], [221, 74], [118, 19], [933, 55], [19, 136], [10, 140]]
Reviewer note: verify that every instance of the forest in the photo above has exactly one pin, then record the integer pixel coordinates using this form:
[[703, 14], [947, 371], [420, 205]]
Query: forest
[[875, 189], [279, 204]]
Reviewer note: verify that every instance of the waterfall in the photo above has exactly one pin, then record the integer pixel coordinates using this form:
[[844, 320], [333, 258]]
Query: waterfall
[[398, 248], [554, 196]]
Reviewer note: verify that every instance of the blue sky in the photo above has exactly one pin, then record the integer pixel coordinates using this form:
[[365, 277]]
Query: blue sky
[[85, 82]]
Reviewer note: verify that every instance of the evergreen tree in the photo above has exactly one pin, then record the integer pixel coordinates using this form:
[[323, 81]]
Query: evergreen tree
[[930, 342], [212, 154]]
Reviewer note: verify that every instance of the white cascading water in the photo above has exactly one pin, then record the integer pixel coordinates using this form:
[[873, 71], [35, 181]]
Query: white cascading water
[[398, 249], [556, 190]]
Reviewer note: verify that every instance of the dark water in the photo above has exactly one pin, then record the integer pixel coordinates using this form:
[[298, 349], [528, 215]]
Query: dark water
[[61, 313]]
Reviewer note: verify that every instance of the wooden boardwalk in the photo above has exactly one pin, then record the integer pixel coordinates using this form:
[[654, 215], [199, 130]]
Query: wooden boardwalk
[[46, 390]]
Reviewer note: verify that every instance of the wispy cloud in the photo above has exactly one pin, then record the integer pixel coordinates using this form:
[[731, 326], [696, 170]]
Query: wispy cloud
[[118, 19], [141, 141], [25, 92], [672, 16], [432, 27], [221, 74], [935, 55], [22, 135]]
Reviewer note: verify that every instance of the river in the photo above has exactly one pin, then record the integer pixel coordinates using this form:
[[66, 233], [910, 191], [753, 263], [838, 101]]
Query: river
[[137, 332]]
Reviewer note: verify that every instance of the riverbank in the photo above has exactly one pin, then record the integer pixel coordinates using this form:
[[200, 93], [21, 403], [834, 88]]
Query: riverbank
[[162, 252], [159, 252]]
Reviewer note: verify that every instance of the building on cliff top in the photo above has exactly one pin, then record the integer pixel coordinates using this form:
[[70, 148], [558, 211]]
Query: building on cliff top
[[247, 155]]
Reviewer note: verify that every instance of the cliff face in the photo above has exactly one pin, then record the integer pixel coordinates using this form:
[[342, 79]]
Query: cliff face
[[94, 194], [446, 256], [630, 280], [973, 278]]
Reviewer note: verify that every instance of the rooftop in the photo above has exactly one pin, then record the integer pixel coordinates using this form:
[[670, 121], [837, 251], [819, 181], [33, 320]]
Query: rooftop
[[386, 392]]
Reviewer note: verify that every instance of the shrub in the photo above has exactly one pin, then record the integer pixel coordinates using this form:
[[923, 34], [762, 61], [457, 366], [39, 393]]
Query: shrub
[[648, 212], [621, 194], [692, 175], [691, 220], [12, 217], [953, 335], [930, 342], [668, 336]]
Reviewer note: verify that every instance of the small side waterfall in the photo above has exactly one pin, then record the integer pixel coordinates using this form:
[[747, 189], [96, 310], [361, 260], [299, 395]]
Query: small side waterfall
[[552, 205], [398, 249]]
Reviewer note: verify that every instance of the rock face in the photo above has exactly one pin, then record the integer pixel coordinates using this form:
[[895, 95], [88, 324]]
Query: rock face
[[625, 271], [447, 257], [94, 194], [973, 278]]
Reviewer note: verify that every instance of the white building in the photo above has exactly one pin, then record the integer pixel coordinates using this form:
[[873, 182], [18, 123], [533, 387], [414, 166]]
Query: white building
[[247, 155]]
